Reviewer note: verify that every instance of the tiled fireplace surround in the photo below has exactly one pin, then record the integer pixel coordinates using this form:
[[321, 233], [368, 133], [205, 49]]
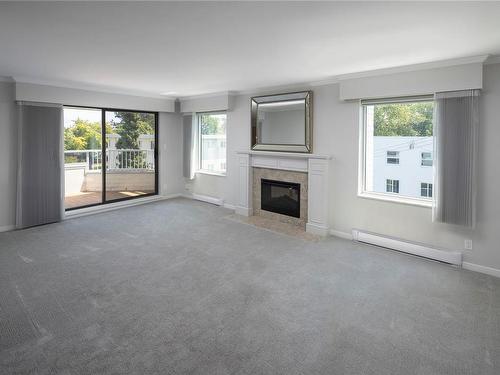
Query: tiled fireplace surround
[[309, 170], [280, 175]]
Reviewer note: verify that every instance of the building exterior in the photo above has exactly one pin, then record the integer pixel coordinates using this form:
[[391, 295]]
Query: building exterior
[[400, 165], [213, 151]]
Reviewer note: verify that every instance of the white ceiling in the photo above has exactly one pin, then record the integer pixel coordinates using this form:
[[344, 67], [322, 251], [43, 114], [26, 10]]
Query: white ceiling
[[196, 48]]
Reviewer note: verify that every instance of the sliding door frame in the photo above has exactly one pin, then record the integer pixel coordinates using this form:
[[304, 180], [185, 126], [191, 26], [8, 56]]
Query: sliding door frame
[[103, 153]]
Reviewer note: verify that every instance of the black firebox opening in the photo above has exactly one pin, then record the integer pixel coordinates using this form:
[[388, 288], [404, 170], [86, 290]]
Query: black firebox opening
[[280, 197]]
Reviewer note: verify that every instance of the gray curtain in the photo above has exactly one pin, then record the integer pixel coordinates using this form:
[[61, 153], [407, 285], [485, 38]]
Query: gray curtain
[[455, 130], [40, 165], [189, 147]]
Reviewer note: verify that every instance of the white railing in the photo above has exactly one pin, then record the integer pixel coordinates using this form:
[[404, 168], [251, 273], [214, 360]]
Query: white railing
[[124, 159]]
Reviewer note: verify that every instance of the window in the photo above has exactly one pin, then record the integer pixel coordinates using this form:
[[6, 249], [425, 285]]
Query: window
[[392, 157], [392, 186], [396, 132], [426, 159], [426, 190], [212, 148], [123, 166]]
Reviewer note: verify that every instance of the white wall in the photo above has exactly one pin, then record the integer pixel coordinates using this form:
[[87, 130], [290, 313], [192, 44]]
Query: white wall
[[8, 156], [336, 132]]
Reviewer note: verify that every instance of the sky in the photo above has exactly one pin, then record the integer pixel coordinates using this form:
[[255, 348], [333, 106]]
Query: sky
[[72, 114], [93, 115]]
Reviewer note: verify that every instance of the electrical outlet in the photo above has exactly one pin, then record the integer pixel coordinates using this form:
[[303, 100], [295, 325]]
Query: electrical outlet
[[468, 244]]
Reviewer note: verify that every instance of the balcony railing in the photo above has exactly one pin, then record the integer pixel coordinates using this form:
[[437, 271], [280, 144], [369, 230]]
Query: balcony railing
[[123, 159]]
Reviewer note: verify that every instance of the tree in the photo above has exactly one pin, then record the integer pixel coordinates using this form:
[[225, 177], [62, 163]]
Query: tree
[[130, 125], [83, 135], [212, 124], [403, 119]]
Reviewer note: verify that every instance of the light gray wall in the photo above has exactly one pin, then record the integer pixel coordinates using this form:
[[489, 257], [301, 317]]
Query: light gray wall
[[336, 132], [416, 82], [207, 103], [171, 179], [207, 185], [8, 156], [69, 96]]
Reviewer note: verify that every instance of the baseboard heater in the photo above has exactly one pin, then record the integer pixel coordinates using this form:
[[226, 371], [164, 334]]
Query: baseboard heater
[[452, 257]]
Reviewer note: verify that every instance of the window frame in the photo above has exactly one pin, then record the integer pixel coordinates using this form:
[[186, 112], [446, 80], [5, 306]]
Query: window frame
[[105, 201], [429, 188], [199, 169], [384, 196], [393, 183], [392, 157], [422, 159]]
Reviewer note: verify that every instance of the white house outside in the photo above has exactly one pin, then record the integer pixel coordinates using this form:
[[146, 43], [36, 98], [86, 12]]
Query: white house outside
[[400, 165]]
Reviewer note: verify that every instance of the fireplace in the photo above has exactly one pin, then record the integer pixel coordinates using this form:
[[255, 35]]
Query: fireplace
[[280, 197]]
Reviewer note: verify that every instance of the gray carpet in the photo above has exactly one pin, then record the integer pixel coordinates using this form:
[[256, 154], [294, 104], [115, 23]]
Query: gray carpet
[[174, 287]]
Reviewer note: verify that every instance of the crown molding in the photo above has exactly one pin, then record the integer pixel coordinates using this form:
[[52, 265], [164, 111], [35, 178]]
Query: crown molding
[[492, 60], [415, 67], [88, 87]]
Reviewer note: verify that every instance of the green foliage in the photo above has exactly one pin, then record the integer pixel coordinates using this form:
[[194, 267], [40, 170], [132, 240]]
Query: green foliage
[[212, 124], [130, 125], [83, 135], [403, 119]]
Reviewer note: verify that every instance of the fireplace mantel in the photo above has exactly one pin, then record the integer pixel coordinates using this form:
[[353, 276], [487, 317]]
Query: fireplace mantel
[[317, 168], [294, 155]]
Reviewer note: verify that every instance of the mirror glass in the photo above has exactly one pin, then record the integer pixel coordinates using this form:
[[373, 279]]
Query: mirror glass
[[282, 122]]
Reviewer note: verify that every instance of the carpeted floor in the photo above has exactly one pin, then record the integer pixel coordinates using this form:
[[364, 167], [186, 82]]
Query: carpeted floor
[[175, 287]]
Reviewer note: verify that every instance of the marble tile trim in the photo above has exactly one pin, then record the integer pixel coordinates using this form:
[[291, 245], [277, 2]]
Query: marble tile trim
[[280, 175]]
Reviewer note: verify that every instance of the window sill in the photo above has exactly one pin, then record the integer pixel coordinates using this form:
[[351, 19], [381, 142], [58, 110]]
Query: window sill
[[219, 174], [427, 203]]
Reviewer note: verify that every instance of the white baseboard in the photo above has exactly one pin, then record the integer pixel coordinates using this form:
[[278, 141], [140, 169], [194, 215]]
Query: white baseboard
[[208, 199], [452, 257], [229, 206], [340, 234], [244, 211], [316, 229], [482, 269], [170, 196], [7, 228]]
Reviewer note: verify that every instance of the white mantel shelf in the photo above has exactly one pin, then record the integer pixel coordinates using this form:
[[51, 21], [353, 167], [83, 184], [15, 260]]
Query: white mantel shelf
[[297, 155], [316, 166]]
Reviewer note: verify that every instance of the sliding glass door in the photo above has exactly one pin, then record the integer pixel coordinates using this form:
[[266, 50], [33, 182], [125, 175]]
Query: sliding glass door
[[124, 166], [130, 151], [82, 157]]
